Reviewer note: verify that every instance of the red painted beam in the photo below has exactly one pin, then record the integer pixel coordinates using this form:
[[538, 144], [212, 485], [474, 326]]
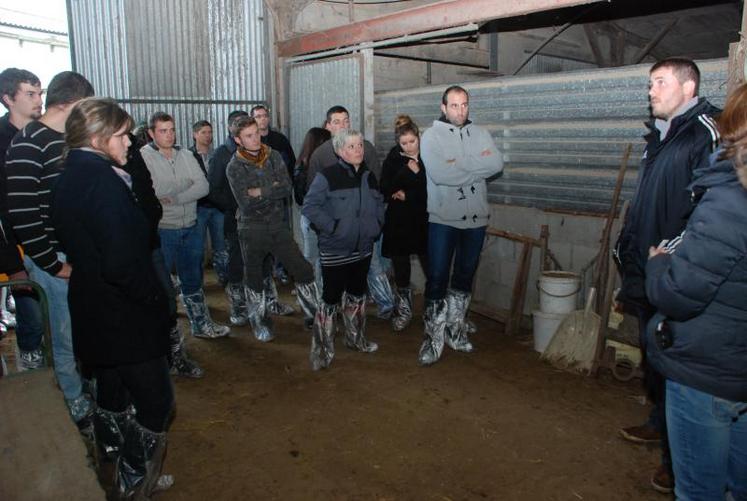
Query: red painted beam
[[418, 20]]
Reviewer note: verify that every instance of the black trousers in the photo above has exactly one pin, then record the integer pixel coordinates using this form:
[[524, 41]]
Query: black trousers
[[146, 385], [350, 278], [259, 242], [403, 269]]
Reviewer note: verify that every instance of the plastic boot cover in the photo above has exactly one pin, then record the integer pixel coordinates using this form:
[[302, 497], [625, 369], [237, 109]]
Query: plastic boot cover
[[435, 329], [402, 310], [220, 265], [7, 318], [274, 306], [11, 303], [258, 316], [307, 296], [179, 362], [237, 303], [81, 408], [381, 292], [29, 360], [199, 317], [108, 429], [139, 465], [323, 337], [354, 319], [456, 326], [279, 271]]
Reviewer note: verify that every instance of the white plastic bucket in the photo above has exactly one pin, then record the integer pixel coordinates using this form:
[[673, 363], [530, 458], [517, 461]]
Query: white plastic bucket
[[558, 291], [544, 326]]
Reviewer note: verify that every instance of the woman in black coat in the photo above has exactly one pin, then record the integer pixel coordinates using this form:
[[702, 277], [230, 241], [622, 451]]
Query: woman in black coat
[[118, 309], [406, 222]]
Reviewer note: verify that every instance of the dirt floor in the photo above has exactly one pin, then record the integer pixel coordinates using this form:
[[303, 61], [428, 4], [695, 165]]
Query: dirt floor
[[497, 424]]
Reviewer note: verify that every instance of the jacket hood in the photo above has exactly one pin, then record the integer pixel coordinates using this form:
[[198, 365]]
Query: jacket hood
[[719, 172], [445, 120]]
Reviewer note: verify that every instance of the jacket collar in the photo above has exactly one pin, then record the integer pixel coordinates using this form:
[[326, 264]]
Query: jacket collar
[[702, 107], [230, 144], [350, 169]]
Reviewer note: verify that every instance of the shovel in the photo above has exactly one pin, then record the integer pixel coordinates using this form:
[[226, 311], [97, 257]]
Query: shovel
[[574, 344]]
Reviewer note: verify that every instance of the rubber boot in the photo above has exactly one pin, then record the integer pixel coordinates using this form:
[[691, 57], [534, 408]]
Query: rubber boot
[[179, 362], [139, 465], [199, 317], [323, 336], [274, 306], [354, 320], [402, 309], [435, 328], [456, 325], [258, 315]]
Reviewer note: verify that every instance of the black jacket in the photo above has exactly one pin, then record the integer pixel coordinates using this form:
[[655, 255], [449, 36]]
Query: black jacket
[[205, 201], [220, 191], [700, 291], [345, 208], [10, 258], [118, 309], [406, 222], [278, 142], [661, 204], [142, 188]]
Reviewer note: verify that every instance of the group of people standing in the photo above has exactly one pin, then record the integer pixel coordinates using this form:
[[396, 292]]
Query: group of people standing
[[114, 231]]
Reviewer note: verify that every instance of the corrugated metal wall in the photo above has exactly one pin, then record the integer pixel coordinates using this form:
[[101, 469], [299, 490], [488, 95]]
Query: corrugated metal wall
[[315, 86], [194, 59], [562, 135]]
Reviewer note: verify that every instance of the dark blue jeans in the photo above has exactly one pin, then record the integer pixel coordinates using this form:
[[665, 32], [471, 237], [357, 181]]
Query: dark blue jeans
[[447, 244], [183, 250], [29, 324]]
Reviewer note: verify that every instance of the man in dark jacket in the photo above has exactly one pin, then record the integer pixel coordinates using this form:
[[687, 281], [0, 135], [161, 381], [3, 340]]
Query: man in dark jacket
[[682, 135], [21, 94]]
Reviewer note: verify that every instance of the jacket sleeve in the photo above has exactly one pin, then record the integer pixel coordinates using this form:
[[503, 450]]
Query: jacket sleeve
[[682, 284], [23, 167], [220, 191], [281, 185], [440, 168], [199, 187], [313, 205], [485, 166], [388, 177], [114, 224], [10, 258]]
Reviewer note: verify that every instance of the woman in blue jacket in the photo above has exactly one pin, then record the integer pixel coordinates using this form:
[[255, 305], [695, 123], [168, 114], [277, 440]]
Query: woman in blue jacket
[[118, 309], [346, 209], [698, 338]]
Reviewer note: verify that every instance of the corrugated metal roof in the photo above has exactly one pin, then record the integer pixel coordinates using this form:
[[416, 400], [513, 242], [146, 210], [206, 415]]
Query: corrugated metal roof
[[562, 135]]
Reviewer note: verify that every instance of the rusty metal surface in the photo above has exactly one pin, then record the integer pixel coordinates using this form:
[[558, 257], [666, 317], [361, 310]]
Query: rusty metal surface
[[417, 20]]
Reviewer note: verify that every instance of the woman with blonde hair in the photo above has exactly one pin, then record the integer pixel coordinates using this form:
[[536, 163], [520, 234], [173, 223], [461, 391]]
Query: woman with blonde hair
[[403, 184], [118, 309], [697, 339]]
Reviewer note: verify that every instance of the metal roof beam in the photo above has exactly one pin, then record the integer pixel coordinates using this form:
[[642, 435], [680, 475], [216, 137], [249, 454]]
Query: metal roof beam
[[421, 19]]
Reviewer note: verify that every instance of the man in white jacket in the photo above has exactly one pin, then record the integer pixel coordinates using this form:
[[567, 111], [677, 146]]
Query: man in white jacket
[[179, 183], [459, 156]]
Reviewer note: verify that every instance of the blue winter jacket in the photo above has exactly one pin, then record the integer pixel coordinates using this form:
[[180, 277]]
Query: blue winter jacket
[[345, 208], [700, 291]]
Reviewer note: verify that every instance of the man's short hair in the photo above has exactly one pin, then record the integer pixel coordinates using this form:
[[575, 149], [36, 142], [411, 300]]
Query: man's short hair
[[336, 109], [68, 87], [159, 116], [241, 124], [234, 117], [449, 90], [684, 69], [259, 107], [11, 80], [200, 124], [339, 140]]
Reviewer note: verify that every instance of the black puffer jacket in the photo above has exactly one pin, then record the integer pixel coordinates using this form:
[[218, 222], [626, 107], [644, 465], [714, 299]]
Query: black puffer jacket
[[700, 291], [661, 204]]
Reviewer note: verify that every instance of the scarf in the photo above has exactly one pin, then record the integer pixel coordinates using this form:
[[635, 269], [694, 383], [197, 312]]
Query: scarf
[[259, 159]]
